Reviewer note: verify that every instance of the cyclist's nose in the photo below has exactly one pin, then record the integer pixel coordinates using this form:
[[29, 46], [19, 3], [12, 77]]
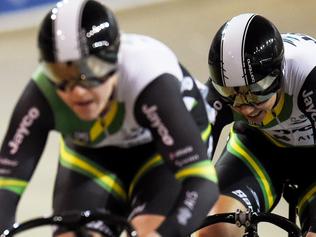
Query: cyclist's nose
[[78, 90]]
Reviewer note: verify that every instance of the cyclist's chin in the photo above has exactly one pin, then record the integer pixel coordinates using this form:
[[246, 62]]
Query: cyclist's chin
[[256, 119]]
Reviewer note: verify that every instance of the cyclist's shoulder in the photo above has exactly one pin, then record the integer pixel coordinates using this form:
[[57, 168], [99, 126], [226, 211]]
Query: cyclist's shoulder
[[143, 54], [143, 59], [298, 45], [296, 38], [299, 59], [141, 42]]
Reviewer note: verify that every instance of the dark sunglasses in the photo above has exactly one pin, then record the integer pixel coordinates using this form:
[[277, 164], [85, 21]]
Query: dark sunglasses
[[253, 94], [87, 72], [83, 81]]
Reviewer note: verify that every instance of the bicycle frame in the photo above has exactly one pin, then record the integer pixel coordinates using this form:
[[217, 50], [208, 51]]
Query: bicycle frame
[[73, 221], [250, 221]]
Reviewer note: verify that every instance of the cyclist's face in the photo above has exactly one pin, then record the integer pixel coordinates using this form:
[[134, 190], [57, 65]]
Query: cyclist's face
[[88, 103], [255, 113]]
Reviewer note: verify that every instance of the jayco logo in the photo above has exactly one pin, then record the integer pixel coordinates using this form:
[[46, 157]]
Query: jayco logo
[[23, 129], [152, 115], [310, 107]]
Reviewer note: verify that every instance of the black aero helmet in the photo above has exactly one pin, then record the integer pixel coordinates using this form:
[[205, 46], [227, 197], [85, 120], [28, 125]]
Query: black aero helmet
[[247, 51], [75, 29]]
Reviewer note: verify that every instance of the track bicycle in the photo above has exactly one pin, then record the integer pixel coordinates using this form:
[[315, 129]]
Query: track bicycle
[[74, 222], [250, 221]]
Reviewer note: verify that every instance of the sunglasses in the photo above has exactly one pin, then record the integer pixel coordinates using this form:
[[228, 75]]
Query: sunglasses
[[90, 82], [88, 73], [248, 99], [253, 94]]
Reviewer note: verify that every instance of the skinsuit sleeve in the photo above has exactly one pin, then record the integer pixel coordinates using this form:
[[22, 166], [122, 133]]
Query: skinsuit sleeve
[[161, 109], [21, 149]]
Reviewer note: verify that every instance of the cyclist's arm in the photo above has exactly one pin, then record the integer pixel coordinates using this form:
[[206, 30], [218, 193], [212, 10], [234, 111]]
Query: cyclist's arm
[[161, 109], [224, 113], [21, 149]]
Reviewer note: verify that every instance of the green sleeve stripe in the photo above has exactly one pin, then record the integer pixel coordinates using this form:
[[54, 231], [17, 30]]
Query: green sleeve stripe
[[14, 185], [203, 169], [103, 178], [153, 162], [236, 147], [207, 132], [308, 197]]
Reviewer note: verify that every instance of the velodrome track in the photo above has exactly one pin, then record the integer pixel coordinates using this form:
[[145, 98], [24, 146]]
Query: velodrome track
[[185, 25]]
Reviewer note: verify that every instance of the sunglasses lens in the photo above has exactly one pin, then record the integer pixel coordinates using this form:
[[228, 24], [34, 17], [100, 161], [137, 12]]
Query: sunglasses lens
[[94, 81], [251, 94], [88, 73]]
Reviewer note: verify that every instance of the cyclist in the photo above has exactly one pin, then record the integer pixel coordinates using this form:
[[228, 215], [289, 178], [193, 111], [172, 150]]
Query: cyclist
[[134, 127], [265, 83]]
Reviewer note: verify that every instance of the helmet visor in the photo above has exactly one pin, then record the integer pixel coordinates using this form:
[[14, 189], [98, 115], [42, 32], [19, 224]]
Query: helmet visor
[[87, 72], [251, 94]]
